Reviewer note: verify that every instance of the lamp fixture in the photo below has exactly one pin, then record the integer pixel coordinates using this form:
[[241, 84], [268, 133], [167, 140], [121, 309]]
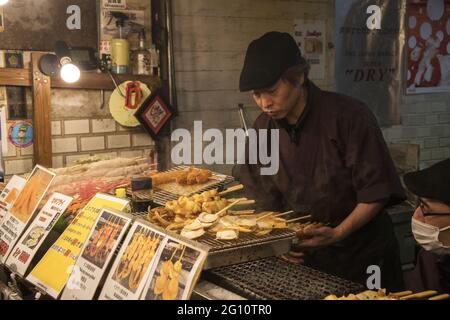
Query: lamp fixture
[[50, 63], [3, 2]]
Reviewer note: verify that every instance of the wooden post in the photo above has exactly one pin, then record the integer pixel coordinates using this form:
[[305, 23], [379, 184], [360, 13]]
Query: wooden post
[[41, 114]]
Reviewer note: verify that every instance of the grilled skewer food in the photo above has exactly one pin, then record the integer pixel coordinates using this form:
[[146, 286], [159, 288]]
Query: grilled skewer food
[[185, 177]]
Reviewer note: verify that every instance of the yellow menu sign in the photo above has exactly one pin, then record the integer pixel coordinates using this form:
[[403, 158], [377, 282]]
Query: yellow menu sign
[[53, 271]]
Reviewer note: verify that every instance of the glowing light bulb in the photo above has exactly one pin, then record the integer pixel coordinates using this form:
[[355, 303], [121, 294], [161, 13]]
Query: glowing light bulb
[[70, 73], [2, 2]]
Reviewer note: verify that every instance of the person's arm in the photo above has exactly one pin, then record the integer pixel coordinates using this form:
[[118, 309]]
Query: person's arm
[[323, 236]]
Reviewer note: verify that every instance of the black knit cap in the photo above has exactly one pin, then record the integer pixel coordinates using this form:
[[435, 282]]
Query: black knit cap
[[267, 59], [431, 183]]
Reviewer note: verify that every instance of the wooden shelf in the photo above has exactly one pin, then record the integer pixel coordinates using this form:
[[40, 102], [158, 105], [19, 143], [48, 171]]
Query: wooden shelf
[[102, 81], [88, 80], [15, 77]]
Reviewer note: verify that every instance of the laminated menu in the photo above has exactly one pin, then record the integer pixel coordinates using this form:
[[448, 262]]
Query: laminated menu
[[9, 194], [176, 272], [97, 252], [53, 270], [31, 240], [22, 210], [140, 250]]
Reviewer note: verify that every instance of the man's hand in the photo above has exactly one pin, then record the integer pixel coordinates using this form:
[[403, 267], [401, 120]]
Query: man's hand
[[313, 237], [294, 257]]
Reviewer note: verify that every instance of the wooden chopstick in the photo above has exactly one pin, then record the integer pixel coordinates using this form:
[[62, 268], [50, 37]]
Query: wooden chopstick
[[232, 189], [420, 295], [440, 297]]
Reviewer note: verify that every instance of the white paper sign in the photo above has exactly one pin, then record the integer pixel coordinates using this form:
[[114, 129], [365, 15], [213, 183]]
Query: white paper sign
[[23, 208], [131, 269], [174, 275], [97, 252], [114, 4], [26, 248], [310, 37], [10, 194]]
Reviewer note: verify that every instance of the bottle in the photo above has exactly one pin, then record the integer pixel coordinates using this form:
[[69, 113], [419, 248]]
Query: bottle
[[120, 47], [141, 193], [154, 61], [141, 57]]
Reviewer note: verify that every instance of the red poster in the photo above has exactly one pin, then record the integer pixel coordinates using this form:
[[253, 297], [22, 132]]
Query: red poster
[[428, 44]]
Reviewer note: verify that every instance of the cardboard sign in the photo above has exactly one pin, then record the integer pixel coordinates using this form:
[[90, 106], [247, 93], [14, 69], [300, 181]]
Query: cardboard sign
[[26, 248], [10, 194], [52, 272], [176, 271], [97, 252], [23, 208], [130, 270]]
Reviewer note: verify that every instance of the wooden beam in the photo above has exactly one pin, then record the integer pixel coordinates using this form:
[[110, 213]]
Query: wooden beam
[[88, 80], [41, 115], [102, 81], [15, 77]]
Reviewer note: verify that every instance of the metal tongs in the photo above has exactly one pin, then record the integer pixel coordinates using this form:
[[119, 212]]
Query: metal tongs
[[243, 118]]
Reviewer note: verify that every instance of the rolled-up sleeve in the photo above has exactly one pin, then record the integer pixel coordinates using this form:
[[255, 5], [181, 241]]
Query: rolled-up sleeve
[[373, 172]]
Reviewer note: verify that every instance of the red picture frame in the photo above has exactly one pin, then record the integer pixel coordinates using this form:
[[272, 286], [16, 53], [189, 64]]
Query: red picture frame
[[154, 114]]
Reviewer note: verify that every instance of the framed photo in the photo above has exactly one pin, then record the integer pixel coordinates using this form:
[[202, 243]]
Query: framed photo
[[154, 114], [14, 59]]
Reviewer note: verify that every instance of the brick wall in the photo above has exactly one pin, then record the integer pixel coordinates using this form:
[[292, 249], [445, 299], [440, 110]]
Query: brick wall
[[426, 122], [82, 125], [211, 37], [73, 139]]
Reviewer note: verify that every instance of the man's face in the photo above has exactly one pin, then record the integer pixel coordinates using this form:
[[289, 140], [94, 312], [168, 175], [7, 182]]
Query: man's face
[[279, 100], [434, 207]]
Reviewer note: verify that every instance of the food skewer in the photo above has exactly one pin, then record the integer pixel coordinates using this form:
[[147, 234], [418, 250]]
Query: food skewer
[[265, 216], [283, 214], [440, 297], [220, 212], [402, 294], [296, 219], [420, 295], [231, 189], [242, 212]]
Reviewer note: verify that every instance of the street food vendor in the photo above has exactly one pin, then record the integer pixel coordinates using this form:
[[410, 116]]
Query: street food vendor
[[333, 164], [431, 228]]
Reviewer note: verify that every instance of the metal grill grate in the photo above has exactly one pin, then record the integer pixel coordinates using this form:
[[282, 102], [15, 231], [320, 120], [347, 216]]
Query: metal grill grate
[[161, 197], [275, 279], [245, 239]]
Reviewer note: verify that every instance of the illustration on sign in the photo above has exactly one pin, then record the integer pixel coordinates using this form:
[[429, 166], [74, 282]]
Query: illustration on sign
[[21, 134]]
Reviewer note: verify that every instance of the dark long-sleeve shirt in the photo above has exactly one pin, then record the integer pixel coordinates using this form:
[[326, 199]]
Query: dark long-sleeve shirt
[[333, 158]]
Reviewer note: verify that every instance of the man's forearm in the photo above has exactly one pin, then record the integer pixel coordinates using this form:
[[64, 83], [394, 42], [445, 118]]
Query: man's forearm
[[360, 216]]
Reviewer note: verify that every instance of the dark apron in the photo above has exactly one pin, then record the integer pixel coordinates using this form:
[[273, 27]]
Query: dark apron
[[374, 244]]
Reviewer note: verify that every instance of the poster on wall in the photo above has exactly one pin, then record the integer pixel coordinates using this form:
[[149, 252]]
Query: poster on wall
[[310, 37], [369, 51], [428, 46]]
